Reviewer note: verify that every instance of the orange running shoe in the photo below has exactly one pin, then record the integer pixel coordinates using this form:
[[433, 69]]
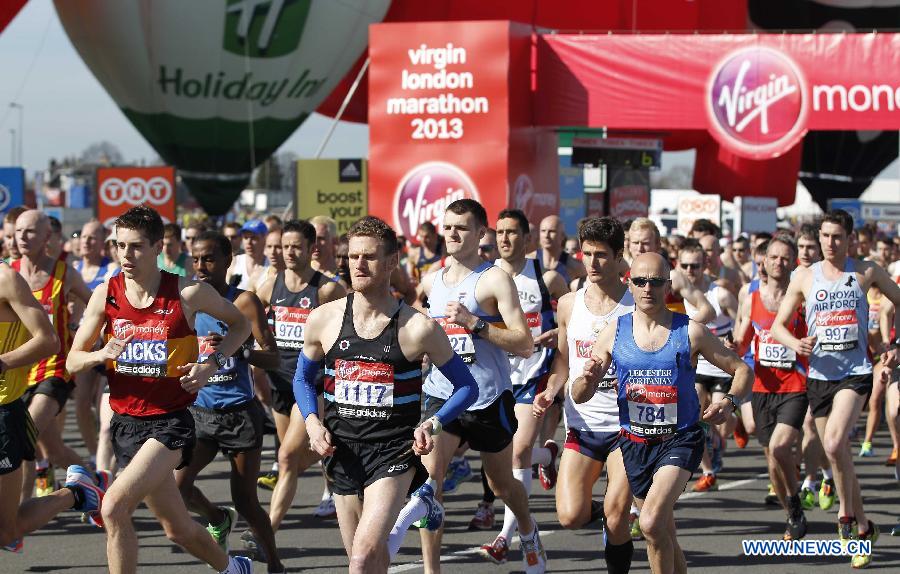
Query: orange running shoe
[[741, 438], [891, 460], [706, 483]]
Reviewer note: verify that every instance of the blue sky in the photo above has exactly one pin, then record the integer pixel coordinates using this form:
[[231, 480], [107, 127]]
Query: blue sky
[[66, 109]]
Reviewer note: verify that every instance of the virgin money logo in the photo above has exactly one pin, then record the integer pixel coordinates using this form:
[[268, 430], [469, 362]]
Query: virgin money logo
[[135, 191], [5, 197], [426, 191], [757, 102]]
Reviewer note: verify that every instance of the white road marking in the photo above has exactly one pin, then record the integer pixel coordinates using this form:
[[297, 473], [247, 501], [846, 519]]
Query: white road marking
[[454, 556]]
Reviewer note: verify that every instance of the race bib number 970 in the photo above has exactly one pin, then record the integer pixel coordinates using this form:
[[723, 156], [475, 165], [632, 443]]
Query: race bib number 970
[[289, 325]]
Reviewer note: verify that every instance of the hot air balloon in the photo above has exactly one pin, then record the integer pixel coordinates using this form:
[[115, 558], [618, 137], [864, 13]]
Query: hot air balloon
[[216, 86]]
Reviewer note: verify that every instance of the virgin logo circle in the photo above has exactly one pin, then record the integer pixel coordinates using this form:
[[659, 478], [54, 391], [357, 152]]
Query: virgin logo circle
[[426, 191], [757, 102], [136, 191], [5, 197]]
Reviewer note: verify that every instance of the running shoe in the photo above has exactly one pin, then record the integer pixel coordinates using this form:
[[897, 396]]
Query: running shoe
[[497, 551], [706, 483], [78, 477], [17, 546], [826, 494], [847, 530], [220, 532], [242, 565], [533, 555], [268, 480], [895, 531], [634, 522], [44, 481], [807, 498], [548, 473], [326, 508], [484, 517], [459, 472], [796, 522], [435, 516], [771, 497], [863, 560], [596, 511], [251, 545], [891, 460], [741, 438], [866, 449]]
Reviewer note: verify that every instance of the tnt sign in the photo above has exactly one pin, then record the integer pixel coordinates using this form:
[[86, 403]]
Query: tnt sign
[[121, 188]]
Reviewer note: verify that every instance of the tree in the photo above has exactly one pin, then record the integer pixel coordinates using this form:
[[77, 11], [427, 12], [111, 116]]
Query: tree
[[102, 153]]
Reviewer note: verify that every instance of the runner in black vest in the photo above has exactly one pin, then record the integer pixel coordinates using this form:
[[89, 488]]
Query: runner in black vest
[[373, 347], [291, 296]]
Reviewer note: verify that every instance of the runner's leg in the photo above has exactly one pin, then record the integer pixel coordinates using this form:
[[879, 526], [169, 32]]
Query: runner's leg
[[834, 430], [436, 462], [106, 458], [85, 402], [294, 457], [658, 520], [244, 470], [577, 475], [205, 452], [498, 466], [349, 509], [382, 502]]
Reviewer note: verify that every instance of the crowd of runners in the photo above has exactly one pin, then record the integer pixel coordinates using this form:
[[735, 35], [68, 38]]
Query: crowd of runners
[[388, 366]]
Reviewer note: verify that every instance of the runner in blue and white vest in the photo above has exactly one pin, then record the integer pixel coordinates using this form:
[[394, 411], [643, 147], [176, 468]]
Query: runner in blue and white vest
[[227, 416], [654, 352], [537, 290]]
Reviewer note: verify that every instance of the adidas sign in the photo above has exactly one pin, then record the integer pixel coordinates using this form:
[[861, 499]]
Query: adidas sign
[[349, 170], [5, 463]]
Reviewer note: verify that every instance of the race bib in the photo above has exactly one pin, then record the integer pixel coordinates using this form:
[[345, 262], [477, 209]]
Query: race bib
[[289, 325], [837, 330], [652, 409], [227, 373], [460, 339], [363, 389], [147, 353], [773, 354], [535, 322]]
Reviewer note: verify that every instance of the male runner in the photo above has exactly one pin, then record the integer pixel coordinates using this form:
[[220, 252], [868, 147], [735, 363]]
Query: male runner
[[9, 232], [227, 416], [248, 269], [661, 440], [592, 428], [54, 284], [551, 255], [95, 268], [536, 291], [372, 346], [779, 388], [712, 383], [290, 297], [174, 258], [727, 277], [326, 240], [467, 297], [840, 373], [430, 251], [232, 231], [150, 355], [26, 337]]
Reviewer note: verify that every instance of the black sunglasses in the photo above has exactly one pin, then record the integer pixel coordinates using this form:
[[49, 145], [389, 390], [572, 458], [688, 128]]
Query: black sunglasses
[[690, 265], [655, 282], [487, 247]]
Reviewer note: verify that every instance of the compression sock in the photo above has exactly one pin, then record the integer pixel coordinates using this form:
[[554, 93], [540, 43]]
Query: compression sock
[[415, 509], [618, 557], [510, 523]]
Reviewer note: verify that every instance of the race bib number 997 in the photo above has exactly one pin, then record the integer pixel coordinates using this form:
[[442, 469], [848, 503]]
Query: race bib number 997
[[837, 330]]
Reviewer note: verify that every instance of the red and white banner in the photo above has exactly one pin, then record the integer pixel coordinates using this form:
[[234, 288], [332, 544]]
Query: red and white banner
[[121, 188], [450, 118], [756, 94]]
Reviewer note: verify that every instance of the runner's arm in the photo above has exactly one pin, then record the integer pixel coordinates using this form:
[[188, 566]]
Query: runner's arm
[[267, 356], [714, 351], [728, 302], [436, 345], [401, 283], [201, 297], [44, 341], [793, 298], [308, 364], [886, 320], [516, 337], [743, 331], [559, 369], [705, 312], [887, 285], [585, 386], [76, 286], [331, 291], [80, 356]]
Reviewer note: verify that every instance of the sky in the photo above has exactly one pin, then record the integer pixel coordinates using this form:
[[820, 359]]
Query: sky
[[66, 109]]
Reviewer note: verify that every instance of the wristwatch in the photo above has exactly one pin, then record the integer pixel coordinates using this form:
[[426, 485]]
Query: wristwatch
[[218, 358], [436, 425], [480, 325], [245, 352], [734, 406]]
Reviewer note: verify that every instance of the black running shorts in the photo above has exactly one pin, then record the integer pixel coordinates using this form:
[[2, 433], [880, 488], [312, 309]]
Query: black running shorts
[[357, 464], [769, 409], [235, 430], [17, 436], [490, 429], [54, 387], [821, 393], [174, 430]]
